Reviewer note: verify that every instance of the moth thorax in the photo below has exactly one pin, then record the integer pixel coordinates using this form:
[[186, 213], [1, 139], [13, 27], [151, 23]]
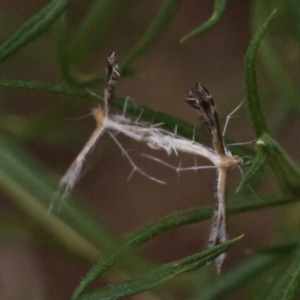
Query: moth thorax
[[99, 115], [229, 161]]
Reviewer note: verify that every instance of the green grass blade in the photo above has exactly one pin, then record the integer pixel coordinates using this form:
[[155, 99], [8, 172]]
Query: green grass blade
[[25, 27], [247, 270], [158, 276], [170, 222], [259, 162], [33, 28], [286, 284], [293, 10], [161, 21], [219, 9], [184, 128], [255, 110], [62, 89], [97, 23], [273, 65], [284, 169], [65, 58]]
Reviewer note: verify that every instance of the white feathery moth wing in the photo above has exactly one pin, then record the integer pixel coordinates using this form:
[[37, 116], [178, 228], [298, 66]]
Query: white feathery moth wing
[[218, 232], [73, 173], [203, 102], [161, 139]]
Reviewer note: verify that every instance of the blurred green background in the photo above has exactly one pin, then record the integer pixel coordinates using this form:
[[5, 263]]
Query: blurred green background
[[39, 257]]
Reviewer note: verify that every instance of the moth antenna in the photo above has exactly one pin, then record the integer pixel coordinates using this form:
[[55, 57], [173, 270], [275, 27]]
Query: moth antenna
[[230, 116], [248, 185]]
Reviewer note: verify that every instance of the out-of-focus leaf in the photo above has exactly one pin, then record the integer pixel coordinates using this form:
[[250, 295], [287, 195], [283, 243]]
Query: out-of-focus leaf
[[97, 23], [286, 172], [247, 270], [33, 28], [272, 63], [32, 190], [259, 162], [46, 87], [65, 58], [158, 276], [255, 110], [286, 284], [293, 10], [219, 9], [160, 23]]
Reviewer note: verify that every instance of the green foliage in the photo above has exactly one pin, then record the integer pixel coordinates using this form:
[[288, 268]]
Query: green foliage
[[246, 271], [158, 276], [31, 187], [64, 57], [33, 28], [171, 222], [286, 284], [219, 9], [260, 160], [161, 21], [254, 106], [101, 16]]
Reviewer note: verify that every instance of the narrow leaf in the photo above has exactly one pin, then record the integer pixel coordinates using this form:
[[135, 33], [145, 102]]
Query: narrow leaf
[[251, 82], [293, 10], [56, 88], [184, 128], [219, 9], [158, 276], [158, 26], [170, 222], [64, 57], [259, 162], [33, 28], [286, 284], [247, 270], [286, 172], [273, 64], [98, 21]]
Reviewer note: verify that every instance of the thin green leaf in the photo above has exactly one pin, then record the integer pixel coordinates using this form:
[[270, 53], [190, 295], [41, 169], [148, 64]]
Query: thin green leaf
[[158, 276], [259, 162], [99, 19], [285, 170], [171, 222], [293, 10], [255, 110], [161, 21], [219, 9], [184, 128], [273, 65], [33, 28], [62, 89], [64, 57], [247, 270], [286, 284]]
